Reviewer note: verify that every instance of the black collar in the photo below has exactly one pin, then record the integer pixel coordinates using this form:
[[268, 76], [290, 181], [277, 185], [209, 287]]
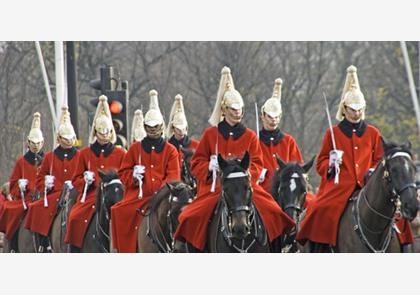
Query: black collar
[[34, 159], [106, 148], [274, 136], [226, 130], [150, 144], [65, 153], [184, 142], [347, 127]]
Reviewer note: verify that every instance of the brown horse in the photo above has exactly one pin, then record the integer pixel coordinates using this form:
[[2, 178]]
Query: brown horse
[[59, 226], [289, 187], [368, 221], [160, 222]]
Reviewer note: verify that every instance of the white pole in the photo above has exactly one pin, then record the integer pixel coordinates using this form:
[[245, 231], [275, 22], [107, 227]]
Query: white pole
[[411, 82], [59, 78], [46, 83]]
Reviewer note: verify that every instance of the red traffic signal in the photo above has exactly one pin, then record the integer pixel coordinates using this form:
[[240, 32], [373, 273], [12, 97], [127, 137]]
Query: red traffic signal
[[115, 107]]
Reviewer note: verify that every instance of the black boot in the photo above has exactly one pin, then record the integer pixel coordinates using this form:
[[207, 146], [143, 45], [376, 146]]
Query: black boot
[[320, 248], [74, 249], [44, 244], [13, 243]]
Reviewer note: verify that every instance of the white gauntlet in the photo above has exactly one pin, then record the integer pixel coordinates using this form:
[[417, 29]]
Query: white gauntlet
[[49, 181], [23, 183], [213, 164], [68, 184], [336, 158], [138, 171], [89, 177]]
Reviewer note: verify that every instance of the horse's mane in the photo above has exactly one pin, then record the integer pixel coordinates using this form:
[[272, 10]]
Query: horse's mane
[[392, 147], [233, 165], [281, 174], [159, 196], [106, 177]]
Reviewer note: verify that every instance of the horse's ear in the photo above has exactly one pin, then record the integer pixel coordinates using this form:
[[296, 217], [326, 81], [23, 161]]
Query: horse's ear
[[407, 145], [384, 144], [281, 163], [101, 173], [222, 162], [307, 166], [245, 161], [170, 186]]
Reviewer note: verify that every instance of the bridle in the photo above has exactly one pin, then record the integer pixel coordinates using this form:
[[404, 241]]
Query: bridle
[[186, 172], [226, 215], [287, 241], [99, 230], [395, 199], [158, 236]]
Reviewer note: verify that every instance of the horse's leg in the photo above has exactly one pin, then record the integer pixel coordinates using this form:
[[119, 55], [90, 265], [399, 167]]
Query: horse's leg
[[90, 244], [144, 243], [26, 239]]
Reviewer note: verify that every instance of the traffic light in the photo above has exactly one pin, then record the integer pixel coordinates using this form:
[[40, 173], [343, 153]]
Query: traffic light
[[117, 101]]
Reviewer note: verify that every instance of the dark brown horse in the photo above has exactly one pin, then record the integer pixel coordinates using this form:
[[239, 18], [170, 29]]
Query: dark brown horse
[[186, 174], [289, 187], [236, 225], [158, 226], [367, 224], [110, 191]]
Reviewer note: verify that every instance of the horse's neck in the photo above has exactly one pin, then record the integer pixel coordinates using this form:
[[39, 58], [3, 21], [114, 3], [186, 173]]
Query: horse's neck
[[161, 214], [378, 198]]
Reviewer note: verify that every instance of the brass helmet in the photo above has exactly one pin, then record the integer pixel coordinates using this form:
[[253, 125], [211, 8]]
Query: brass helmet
[[102, 121], [177, 116], [66, 129], [272, 106], [227, 96], [35, 135], [137, 128], [352, 96], [153, 116]]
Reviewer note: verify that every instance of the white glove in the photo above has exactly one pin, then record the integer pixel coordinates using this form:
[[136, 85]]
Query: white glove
[[336, 158], [213, 164], [138, 171], [89, 177], [22, 183], [49, 181], [68, 184], [262, 175]]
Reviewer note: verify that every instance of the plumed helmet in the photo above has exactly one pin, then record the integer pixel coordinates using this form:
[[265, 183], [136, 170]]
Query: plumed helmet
[[272, 106], [137, 128], [153, 116], [227, 96], [351, 96], [102, 122], [177, 116], [35, 134], [66, 129]]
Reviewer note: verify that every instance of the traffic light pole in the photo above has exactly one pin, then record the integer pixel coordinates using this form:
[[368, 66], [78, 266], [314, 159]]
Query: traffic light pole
[[72, 87]]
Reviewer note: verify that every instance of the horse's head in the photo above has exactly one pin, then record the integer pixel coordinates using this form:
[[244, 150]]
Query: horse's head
[[400, 176], [237, 194], [290, 186], [181, 195], [186, 175], [110, 191]]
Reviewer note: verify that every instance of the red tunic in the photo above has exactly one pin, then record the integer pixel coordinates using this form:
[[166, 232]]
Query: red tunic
[[61, 163], [187, 143], [161, 165], [194, 219], [286, 148], [91, 158], [360, 153], [13, 211]]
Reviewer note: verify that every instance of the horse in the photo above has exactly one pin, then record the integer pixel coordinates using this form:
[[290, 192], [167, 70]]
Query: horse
[[289, 187], [186, 174], [368, 221], [59, 225], [236, 225], [109, 192], [161, 220]]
